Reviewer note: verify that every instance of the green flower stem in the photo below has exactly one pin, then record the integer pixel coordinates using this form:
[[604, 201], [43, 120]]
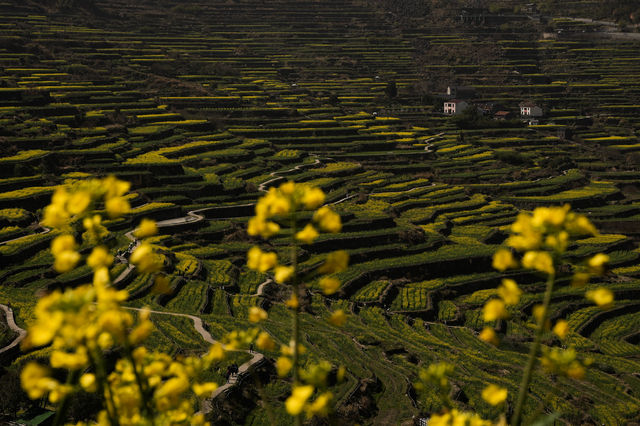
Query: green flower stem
[[523, 391], [103, 385], [296, 310], [144, 391], [64, 403]]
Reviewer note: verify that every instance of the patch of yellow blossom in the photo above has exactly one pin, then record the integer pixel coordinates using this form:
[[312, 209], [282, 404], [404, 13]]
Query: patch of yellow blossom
[[564, 362], [601, 296], [455, 418], [338, 318], [561, 329], [257, 314], [494, 395], [489, 335], [81, 324]]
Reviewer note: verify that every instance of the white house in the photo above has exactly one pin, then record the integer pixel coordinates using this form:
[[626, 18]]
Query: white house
[[455, 106], [529, 109]]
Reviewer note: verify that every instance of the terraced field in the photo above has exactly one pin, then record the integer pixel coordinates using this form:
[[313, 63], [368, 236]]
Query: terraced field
[[205, 105]]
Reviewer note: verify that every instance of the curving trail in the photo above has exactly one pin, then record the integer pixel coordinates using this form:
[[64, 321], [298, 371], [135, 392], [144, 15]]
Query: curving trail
[[14, 327], [257, 357]]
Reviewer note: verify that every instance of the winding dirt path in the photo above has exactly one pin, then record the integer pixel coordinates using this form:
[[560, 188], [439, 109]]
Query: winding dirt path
[[198, 324], [14, 327]]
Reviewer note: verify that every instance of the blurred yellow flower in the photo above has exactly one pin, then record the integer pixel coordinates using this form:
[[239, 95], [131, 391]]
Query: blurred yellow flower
[[538, 260], [493, 310], [580, 279], [561, 329], [338, 318], [88, 382], [329, 285], [597, 263], [66, 261], [509, 292], [308, 234], [282, 274], [261, 261], [489, 335], [63, 243], [78, 202], [601, 296], [283, 366], [288, 188], [36, 381], [320, 407], [99, 257], [313, 198], [299, 396], [204, 390], [328, 220], [145, 259], [115, 187], [494, 395], [117, 207], [257, 314], [503, 260], [337, 261], [265, 342], [147, 228]]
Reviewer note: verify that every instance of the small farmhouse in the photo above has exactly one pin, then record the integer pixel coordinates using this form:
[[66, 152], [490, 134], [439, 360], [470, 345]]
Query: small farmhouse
[[529, 109], [454, 106]]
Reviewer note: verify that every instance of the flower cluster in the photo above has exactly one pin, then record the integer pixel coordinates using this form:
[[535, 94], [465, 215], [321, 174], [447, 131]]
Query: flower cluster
[[283, 204], [82, 324], [543, 237]]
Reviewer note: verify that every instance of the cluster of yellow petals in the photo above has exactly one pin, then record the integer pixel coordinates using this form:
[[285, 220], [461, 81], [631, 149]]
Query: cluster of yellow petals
[[73, 200], [456, 417], [299, 402], [543, 236], [83, 323], [564, 362], [494, 394]]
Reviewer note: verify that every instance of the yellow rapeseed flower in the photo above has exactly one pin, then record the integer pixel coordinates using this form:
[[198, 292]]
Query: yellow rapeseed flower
[[78, 202], [257, 314], [308, 234], [597, 263], [509, 292], [147, 228], [494, 395], [338, 318], [561, 329], [299, 396], [66, 260], [282, 274], [320, 407], [329, 285], [117, 207], [35, 380], [259, 226], [204, 390], [99, 257], [493, 310], [538, 260], [601, 296], [489, 335], [63, 243], [313, 198], [55, 216], [328, 220], [283, 366], [337, 261], [292, 302], [503, 260], [145, 259], [580, 279], [88, 382], [288, 188], [265, 342], [115, 187], [69, 360]]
